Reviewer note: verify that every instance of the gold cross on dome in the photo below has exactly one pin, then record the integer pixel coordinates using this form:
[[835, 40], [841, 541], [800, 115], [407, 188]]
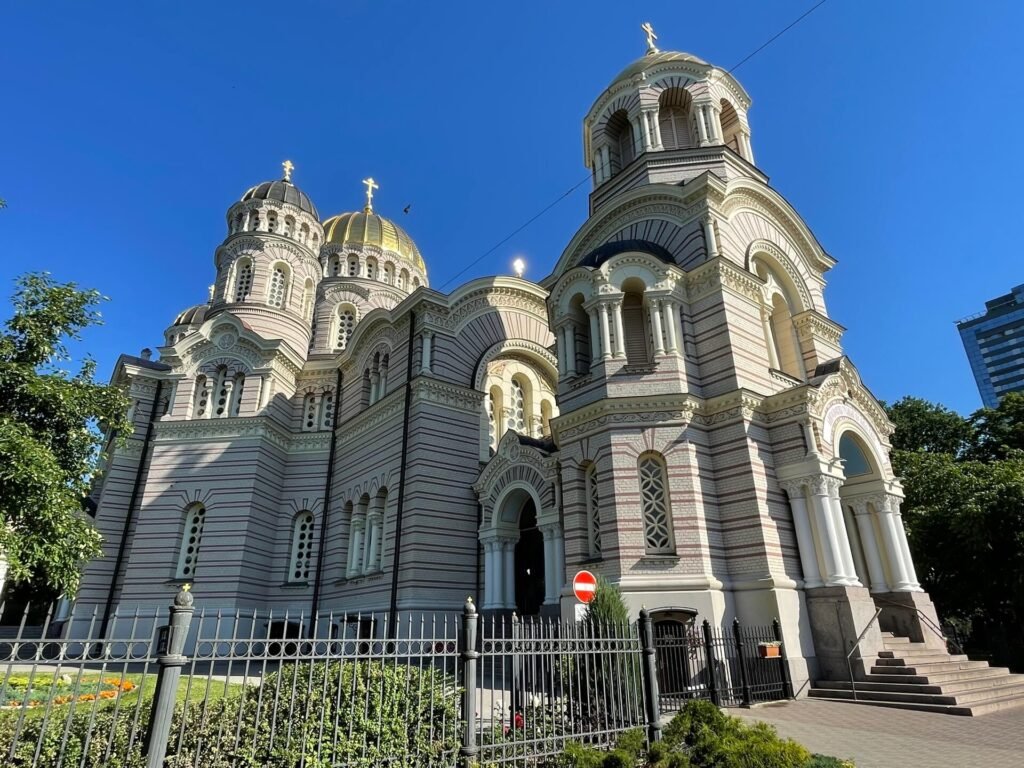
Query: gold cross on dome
[[370, 186], [288, 166], [651, 37]]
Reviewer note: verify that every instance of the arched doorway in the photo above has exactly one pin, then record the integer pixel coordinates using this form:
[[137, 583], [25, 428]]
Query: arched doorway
[[529, 562]]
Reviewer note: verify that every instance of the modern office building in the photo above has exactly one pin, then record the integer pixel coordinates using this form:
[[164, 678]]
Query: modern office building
[[994, 341]]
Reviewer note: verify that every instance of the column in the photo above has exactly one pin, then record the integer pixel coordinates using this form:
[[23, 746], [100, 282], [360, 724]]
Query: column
[[845, 550], [908, 560], [710, 238], [702, 127], [891, 541], [508, 549], [620, 344], [597, 167], [355, 552], [804, 534], [595, 336], [549, 564], [876, 573], [488, 574], [827, 528], [374, 387], [606, 344], [656, 127], [714, 124], [560, 349], [606, 162], [654, 311], [856, 545], [570, 349], [559, 573], [671, 341], [747, 145], [427, 351], [374, 563], [364, 565]]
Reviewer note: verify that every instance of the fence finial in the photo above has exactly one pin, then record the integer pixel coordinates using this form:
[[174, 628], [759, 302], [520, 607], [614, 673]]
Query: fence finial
[[469, 607], [184, 597]]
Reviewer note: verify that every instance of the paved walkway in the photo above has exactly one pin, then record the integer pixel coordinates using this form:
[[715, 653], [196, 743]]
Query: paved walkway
[[880, 737]]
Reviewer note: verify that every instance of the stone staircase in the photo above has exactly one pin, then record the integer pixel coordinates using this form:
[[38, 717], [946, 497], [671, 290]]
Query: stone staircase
[[911, 676]]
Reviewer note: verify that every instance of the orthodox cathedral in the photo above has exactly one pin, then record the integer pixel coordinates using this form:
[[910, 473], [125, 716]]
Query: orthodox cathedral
[[670, 409]]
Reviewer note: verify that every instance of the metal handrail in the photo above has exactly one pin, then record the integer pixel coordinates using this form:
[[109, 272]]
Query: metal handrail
[[928, 622], [856, 645]]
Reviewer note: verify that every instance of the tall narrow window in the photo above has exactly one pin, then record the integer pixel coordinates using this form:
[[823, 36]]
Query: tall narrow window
[[389, 274], [517, 410], [188, 555], [346, 325], [371, 269], [312, 334], [593, 512], [492, 427], [304, 234], [201, 404], [278, 286], [545, 417], [254, 221], [309, 412], [271, 221], [302, 547], [403, 279], [289, 226], [674, 118], [655, 505], [634, 325], [327, 411], [236, 394], [307, 299], [243, 280], [221, 393], [334, 266], [353, 266]]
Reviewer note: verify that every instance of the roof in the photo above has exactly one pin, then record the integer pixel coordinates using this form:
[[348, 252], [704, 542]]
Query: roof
[[284, 192], [600, 255], [369, 228]]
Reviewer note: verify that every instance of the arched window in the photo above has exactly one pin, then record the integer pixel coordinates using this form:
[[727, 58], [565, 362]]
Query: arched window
[[382, 373], [188, 553], [620, 133], [674, 118], [655, 505], [238, 223], [309, 412], [304, 234], [545, 417], [784, 353], [357, 537], [593, 512], [371, 269], [582, 342], [289, 226], [222, 393], [201, 403], [307, 298], [517, 406], [302, 547], [492, 403], [634, 325], [731, 129], [236, 394], [271, 221], [389, 274], [277, 293], [334, 266], [415, 282], [316, 240], [243, 280], [346, 325], [403, 279], [353, 265], [327, 411], [254, 220]]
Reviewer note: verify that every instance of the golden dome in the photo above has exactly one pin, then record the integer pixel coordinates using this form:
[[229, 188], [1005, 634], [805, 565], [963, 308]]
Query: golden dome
[[367, 228], [652, 59]]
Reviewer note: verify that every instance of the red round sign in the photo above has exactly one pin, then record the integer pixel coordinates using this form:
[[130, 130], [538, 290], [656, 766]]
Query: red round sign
[[584, 585]]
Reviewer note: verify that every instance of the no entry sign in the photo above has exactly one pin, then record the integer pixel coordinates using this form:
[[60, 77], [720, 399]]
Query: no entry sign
[[584, 585]]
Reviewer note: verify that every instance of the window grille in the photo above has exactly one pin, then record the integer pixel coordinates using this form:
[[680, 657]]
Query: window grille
[[346, 325], [243, 282], [302, 547], [517, 414], [593, 512], [195, 518], [655, 505], [278, 282]]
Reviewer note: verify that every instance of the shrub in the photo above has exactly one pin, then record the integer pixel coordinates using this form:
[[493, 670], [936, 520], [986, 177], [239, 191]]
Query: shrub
[[575, 755], [824, 761], [618, 759], [633, 742], [682, 729]]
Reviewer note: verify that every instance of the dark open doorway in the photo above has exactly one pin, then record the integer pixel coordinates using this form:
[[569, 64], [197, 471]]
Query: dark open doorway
[[529, 563]]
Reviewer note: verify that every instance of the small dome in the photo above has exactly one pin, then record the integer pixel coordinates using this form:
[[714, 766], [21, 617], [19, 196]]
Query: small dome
[[192, 316], [284, 192], [367, 228], [653, 58]]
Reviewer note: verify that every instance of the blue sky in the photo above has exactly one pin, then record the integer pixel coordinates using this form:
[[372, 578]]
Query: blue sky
[[130, 128]]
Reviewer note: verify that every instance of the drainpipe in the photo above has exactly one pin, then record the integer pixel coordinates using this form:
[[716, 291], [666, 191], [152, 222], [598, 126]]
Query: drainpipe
[[122, 546], [318, 579], [392, 623]]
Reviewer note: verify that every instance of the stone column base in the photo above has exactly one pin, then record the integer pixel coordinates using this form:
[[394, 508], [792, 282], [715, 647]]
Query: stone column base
[[900, 617], [837, 616]]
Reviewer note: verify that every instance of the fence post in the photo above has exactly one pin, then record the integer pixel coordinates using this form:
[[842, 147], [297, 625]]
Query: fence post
[[787, 682], [709, 652], [650, 676], [469, 655], [169, 646], [736, 631]]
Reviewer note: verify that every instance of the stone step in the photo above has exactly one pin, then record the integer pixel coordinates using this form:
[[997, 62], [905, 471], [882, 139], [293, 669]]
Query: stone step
[[995, 704], [870, 692], [907, 659], [898, 685], [941, 677], [927, 668]]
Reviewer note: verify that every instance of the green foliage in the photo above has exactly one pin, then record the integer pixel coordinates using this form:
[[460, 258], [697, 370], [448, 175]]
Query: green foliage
[[930, 427], [633, 742], [824, 761], [694, 715], [999, 432], [618, 759], [607, 608], [575, 755], [49, 433]]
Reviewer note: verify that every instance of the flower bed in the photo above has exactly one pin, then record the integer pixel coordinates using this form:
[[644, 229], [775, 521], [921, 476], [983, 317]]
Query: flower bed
[[27, 691]]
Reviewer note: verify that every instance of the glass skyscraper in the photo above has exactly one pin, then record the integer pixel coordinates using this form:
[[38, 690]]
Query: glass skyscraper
[[994, 341]]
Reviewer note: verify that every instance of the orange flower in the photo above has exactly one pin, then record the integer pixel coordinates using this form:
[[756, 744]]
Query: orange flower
[[108, 694], [127, 685], [87, 697], [61, 700]]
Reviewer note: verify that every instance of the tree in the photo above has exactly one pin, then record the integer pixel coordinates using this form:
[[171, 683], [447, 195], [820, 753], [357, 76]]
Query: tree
[[607, 608], [924, 426], [999, 431], [50, 438]]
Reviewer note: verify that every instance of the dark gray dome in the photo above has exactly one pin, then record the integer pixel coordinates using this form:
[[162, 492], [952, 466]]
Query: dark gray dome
[[192, 316], [284, 192]]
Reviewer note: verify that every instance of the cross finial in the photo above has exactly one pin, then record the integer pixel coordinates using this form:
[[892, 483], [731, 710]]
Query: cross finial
[[288, 166], [370, 186], [651, 37]]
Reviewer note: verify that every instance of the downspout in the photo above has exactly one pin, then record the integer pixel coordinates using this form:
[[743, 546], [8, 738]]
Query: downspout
[[318, 579], [393, 621], [122, 547]]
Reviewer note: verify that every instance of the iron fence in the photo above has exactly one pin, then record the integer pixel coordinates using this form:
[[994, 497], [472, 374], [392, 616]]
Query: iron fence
[[216, 689]]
